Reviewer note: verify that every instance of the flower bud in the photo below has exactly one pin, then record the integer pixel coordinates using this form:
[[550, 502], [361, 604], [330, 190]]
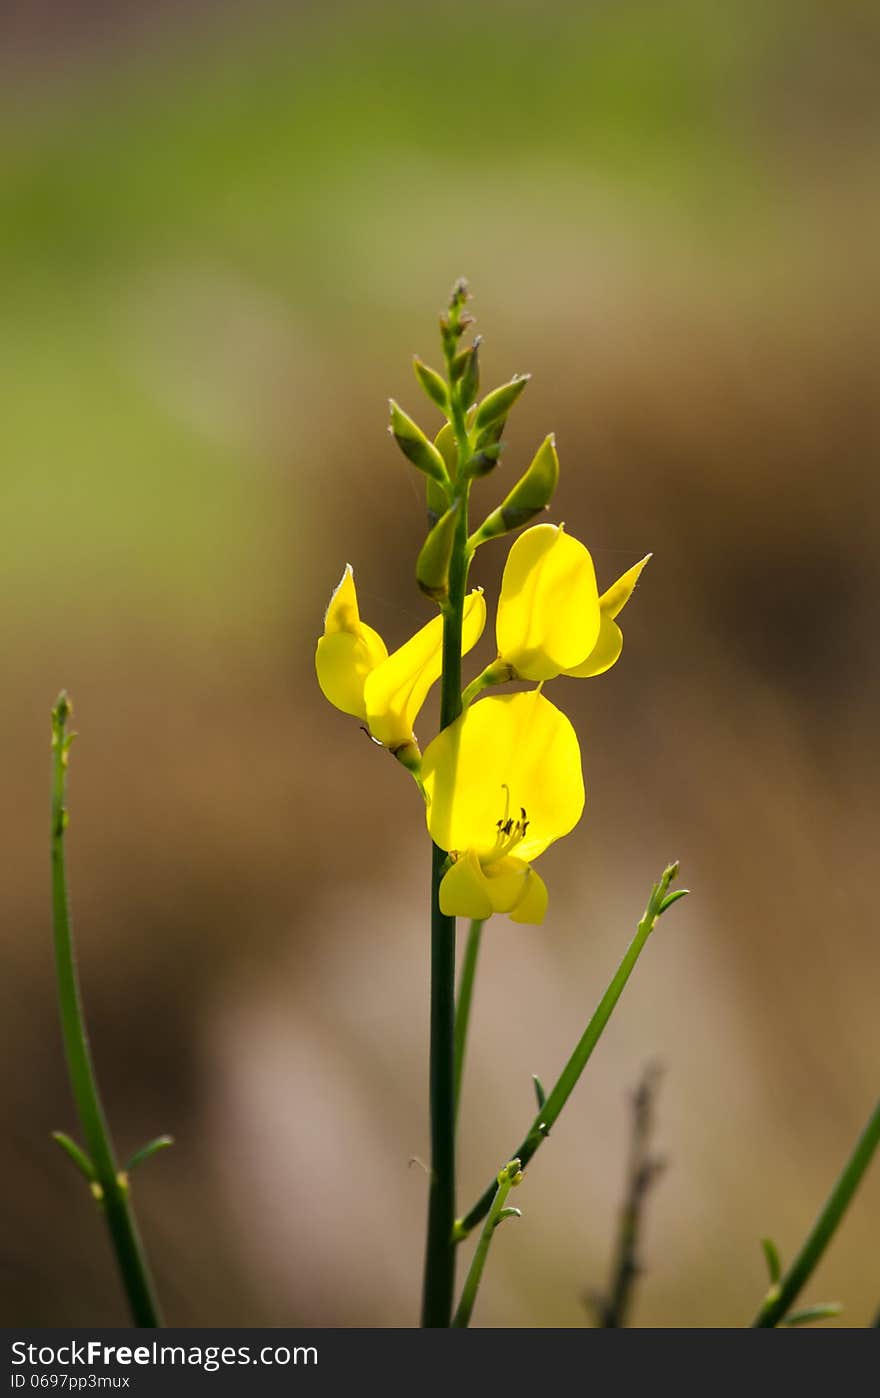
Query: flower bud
[[432, 565], [432, 383], [484, 461], [499, 402], [448, 448], [466, 372], [531, 494], [436, 501], [415, 445]]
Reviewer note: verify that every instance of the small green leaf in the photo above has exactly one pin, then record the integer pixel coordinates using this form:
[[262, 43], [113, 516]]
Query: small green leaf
[[672, 898], [824, 1311], [150, 1149], [76, 1154], [539, 1090], [771, 1253], [509, 1213]]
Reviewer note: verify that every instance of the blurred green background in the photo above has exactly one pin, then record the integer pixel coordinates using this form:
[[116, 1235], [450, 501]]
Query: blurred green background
[[224, 230]]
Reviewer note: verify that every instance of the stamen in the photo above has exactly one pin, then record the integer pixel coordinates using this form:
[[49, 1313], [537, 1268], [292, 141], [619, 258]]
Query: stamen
[[510, 831]]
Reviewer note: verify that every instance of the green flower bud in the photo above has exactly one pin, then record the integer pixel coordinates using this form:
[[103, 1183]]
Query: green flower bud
[[436, 501], [466, 372], [456, 321], [531, 494], [415, 445], [484, 461], [432, 383], [432, 565], [499, 402], [448, 447]]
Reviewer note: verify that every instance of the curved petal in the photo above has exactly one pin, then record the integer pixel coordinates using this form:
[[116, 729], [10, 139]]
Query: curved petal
[[342, 613], [505, 752], [532, 907], [615, 599], [396, 690], [463, 891], [548, 612], [605, 653], [343, 661]]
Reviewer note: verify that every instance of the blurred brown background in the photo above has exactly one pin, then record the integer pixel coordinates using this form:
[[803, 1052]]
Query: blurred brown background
[[224, 231]]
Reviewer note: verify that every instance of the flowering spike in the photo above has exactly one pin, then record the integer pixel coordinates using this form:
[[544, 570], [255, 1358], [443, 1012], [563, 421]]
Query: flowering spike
[[415, 445]]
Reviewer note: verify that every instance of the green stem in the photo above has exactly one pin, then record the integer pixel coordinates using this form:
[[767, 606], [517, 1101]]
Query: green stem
[[463, 1008], [570, 1074], [780, 1297], [439, 1275], [509, 1176], [110, 1186], [496, 673]]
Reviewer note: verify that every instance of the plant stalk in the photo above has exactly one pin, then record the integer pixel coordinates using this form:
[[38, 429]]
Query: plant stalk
[[463, 1006], [439, 1276], [780, 1297], [567, 1080], [508, 1177], [110, 1187]]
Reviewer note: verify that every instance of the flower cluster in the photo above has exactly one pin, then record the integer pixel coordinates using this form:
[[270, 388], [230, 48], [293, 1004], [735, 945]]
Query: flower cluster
[[504, 779]]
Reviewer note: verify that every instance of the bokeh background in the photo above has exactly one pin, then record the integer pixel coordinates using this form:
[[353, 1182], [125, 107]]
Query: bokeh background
[[224, 231]]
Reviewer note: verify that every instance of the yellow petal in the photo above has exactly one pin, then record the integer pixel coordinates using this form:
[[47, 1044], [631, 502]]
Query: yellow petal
[[342, 614], [396, 690], [608, 647], [615, 599], [505, 752], [343, 661], [532, 906], [506, 881], [604, 654], [463, 891], [548, 612]]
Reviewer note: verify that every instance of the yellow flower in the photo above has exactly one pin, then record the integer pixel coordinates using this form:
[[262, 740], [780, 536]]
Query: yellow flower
[[347, 651], [551, 620], [358, 676], [606, 651], [503, 782], [548, 613]]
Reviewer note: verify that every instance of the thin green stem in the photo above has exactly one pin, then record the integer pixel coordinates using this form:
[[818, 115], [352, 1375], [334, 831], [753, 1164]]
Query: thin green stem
[[110, 1187], [508, 1177], [463, 1007], [780, 1297], [439, 1275], [565, 1083], [496, 673]]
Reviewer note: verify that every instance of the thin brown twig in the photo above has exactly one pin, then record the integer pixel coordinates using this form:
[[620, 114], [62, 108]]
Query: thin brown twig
[[643, 1170]]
